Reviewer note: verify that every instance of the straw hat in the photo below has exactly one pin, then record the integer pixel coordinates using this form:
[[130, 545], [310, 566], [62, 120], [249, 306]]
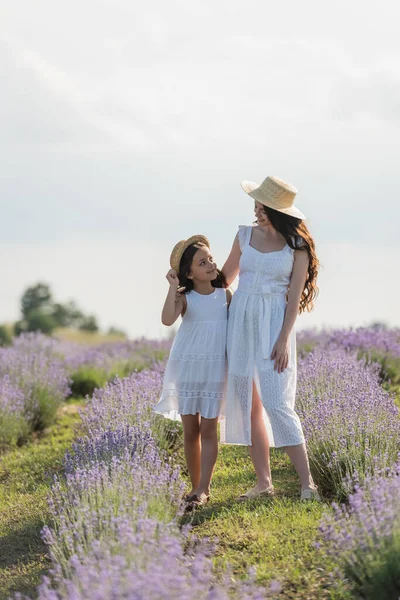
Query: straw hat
[[274, 193], [179, 249]]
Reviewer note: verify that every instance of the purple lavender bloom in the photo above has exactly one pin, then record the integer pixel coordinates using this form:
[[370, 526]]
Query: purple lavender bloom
[[364, 537], [31, 364], [13, 426], [351, 423], [116, 511]]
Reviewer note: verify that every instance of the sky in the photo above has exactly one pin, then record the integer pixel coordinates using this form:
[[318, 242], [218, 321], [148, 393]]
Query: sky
[[128, 126]]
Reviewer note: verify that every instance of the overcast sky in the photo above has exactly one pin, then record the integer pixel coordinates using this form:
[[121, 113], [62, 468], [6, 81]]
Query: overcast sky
[[126, 126]]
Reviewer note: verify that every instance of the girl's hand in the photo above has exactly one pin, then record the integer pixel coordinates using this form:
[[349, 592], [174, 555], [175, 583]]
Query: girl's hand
[[280, 354], [172, 278]]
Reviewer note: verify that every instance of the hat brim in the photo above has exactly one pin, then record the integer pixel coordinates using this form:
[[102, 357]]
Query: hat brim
[[250, 187], [177, 252]]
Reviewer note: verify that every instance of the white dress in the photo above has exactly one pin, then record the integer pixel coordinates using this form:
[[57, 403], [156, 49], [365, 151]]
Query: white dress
[[256, 317], [195, 375]]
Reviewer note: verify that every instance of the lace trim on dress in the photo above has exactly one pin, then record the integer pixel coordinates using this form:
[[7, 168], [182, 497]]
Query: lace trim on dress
[[193, 394], [194, 357]]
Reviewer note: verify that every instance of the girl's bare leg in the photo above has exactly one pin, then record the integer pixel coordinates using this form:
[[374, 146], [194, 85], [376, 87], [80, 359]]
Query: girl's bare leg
[[192, 448], [209, 452], [259, 450]]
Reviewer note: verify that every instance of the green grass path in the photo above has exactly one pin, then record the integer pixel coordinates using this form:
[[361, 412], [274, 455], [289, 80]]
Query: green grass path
[[276, 535], [25, 479]]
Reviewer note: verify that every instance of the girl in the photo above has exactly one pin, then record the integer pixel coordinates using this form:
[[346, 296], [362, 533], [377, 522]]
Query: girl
[[277, 268], [195, 375]]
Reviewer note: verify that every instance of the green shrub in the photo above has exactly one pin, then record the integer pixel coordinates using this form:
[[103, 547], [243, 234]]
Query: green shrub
[[14, 429], [86, 379], [5, 336]]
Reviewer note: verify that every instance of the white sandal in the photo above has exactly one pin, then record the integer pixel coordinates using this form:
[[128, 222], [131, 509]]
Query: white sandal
[[310, 494], [256, 493]]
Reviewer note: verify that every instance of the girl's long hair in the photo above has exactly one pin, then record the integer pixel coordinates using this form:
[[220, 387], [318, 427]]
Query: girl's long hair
[[298, 237], [186, 284]]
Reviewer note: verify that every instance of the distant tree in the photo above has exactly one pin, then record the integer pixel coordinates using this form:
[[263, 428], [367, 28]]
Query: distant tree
[[40, 321], [116, 331], [89, 323], [37, 297], [20, 327], [5, 336], [67, 315], [378, 325]]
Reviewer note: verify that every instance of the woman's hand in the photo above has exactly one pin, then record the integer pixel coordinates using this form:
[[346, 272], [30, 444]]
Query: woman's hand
[[172, 278], [280, 354]]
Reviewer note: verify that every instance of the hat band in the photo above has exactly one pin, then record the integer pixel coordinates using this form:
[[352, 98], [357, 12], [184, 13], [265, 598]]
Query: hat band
[[283, 200]]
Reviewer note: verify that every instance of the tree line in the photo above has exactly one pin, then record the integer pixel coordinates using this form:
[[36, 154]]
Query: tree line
[[40, 312]]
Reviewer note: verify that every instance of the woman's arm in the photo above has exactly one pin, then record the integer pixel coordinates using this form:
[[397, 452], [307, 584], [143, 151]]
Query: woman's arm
[[231, 266], [297, 281], [175, 303]]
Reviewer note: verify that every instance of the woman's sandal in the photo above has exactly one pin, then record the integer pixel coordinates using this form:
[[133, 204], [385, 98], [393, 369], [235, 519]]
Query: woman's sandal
[[196, 502], [310, 494], [256, 493]]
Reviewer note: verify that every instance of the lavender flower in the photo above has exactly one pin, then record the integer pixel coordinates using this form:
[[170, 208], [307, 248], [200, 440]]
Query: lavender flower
[[351, 424], [364, 537]]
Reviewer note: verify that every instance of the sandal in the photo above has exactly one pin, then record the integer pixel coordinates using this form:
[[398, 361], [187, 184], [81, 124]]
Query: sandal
[[310, 494], [197, 502], [188, 497], [256, 493]]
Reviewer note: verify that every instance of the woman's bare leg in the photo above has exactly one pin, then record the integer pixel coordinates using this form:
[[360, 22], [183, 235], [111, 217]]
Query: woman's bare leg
[[298, 456], [259, 450], [192, 448], [209, 452]]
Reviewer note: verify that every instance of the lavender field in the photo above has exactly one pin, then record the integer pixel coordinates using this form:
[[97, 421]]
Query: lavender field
[[115, 526]]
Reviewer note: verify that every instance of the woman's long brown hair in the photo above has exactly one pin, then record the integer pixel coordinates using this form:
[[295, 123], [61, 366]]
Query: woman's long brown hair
[[298, 237]]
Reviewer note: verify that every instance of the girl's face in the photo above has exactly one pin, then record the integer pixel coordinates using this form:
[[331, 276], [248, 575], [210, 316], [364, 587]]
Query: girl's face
[[261, 217], [203, 266]]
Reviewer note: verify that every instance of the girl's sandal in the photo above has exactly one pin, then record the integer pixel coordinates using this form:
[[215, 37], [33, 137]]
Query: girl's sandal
[[254, 493], [197, 502], [187, 497]]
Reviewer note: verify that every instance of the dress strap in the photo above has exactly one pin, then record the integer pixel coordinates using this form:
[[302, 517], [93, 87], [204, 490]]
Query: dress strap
[[244, 235]]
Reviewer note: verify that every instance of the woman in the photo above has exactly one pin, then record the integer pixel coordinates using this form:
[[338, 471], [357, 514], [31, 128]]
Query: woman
[[277, 268]]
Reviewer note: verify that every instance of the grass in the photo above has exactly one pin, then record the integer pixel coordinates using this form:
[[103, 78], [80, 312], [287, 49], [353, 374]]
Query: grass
[[25, 479], [276, 535], [68, 334]]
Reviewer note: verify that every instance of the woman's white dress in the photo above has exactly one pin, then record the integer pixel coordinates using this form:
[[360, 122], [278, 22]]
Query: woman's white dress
[[195, 375], [256, 317]]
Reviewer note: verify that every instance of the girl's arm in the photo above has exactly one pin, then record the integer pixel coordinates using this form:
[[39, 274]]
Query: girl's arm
[[175, 303], [299, 274], [231, 266]]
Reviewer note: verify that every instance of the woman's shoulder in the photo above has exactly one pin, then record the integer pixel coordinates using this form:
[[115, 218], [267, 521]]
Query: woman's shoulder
[[244, 233]]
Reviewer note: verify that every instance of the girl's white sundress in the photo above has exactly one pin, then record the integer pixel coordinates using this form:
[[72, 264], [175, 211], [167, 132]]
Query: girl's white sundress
[[256, 317], [195, 376]]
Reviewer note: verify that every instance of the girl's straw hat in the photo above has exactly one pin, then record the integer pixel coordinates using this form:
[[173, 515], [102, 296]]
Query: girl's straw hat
[[179, 249], [274, 193]]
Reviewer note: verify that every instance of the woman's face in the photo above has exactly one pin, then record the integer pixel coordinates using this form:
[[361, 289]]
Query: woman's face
[[261, 217]]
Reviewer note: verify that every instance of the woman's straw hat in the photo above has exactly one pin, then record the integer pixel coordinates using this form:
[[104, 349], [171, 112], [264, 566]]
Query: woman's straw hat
[[274, 193], [180, 247]]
